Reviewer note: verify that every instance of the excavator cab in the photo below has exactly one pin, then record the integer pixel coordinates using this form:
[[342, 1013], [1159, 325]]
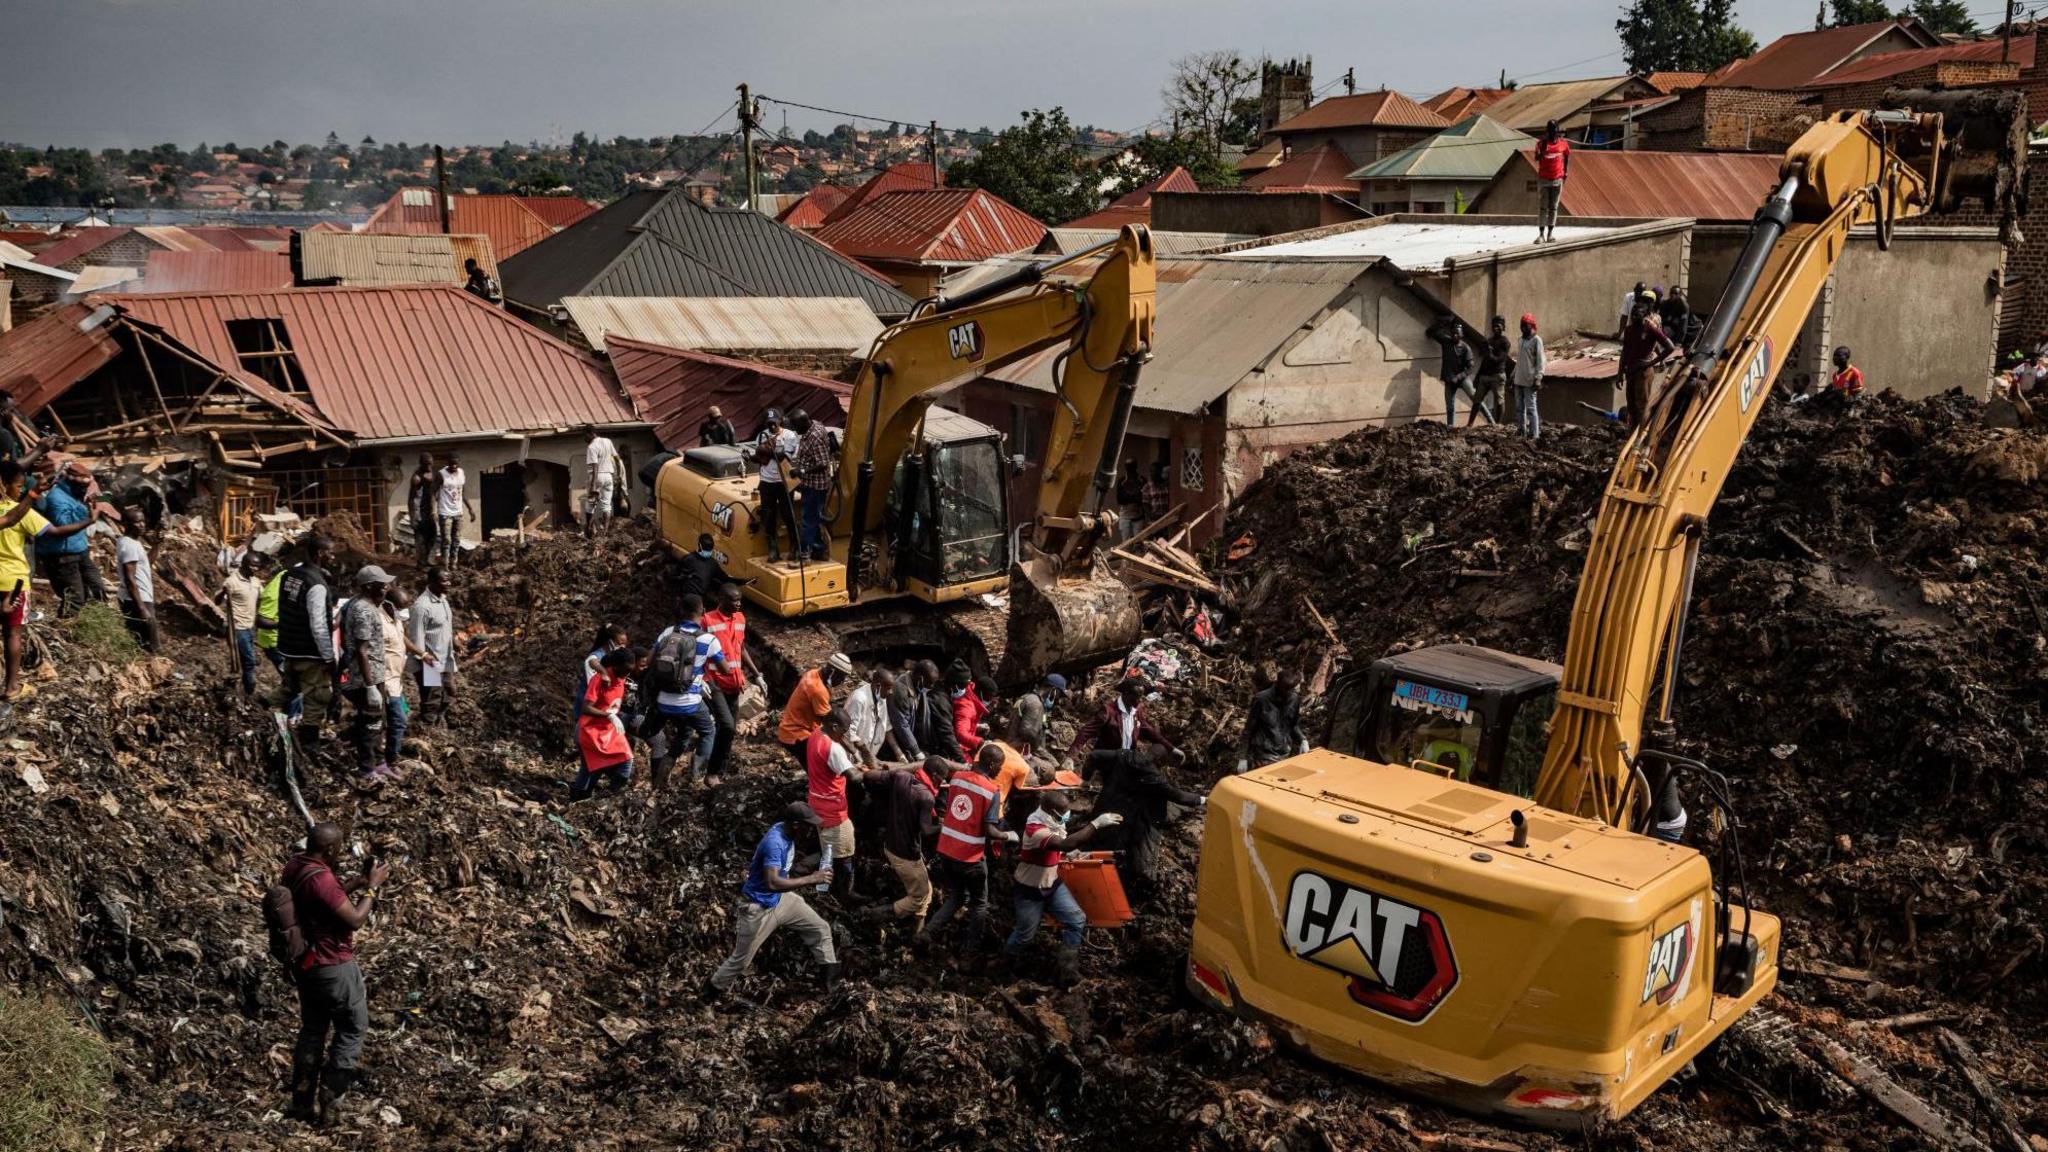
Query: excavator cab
[[949, 507], [1468, 713]]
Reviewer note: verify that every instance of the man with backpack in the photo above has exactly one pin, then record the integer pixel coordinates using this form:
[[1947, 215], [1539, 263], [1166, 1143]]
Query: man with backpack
[[680, 714], [312, 919]]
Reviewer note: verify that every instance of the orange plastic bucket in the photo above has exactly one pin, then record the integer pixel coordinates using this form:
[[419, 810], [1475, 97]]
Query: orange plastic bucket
[[1092, 878]]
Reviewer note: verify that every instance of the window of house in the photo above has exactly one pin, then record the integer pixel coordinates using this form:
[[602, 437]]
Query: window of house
[[1427, 206], [1191, 468], [265, 351]]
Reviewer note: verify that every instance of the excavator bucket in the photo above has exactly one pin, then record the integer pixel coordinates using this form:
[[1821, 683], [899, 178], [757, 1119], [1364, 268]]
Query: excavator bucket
[[1984, 146], [1062, 620]]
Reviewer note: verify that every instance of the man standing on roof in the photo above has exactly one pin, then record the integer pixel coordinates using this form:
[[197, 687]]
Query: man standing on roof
[[1553, 162], [814, 468], [775, 453], [602, 465], [479, 283]]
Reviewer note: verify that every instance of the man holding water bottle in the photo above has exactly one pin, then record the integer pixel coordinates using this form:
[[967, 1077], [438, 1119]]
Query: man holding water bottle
[[769, 899]]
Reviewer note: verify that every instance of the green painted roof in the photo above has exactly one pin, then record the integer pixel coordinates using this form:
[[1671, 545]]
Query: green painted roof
[[1472, 149]]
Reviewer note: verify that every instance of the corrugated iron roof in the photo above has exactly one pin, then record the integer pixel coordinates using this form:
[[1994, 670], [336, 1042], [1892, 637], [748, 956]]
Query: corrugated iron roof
[[1217, 321], [1135, 206], [779, 323], [102, 278], [1472, 149], [45, 356], [1886, 65], [36, 268], [1530, 107], [674, 388], [558, 211], [1457, 103], [948, 225], [1596, 360], [211, 271], [83, 242], [430, 361], [1796, 60], [1382, 109], [1669, 82], [1324, 168], [511, 224], [177, 238], [1416, 244], [812, 207], [915, 176], [1263, 157], [651, 243], [1711, 186], [372, 259], [1063, 241]]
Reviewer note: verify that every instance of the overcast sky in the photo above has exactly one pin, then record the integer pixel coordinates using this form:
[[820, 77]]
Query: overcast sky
[[140, 72]]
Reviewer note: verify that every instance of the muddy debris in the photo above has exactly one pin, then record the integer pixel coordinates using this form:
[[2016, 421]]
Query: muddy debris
[[1868, 662]]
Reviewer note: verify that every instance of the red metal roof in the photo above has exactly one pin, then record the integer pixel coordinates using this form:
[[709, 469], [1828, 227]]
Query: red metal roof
[[1799, 59], [42, 358], [425, 361], [673, 388], [1323, 168], [1708, 186], [949, 225], [507, 220], [1886, 65], [558, 211], [1382, 109], [209, 271], [916, 176], [812, 207], [84, 242], [1669, 82], [1455, 104], [33, 239], [1135, 206]]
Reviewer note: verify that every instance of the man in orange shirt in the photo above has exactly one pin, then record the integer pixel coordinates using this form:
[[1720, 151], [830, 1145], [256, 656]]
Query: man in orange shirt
[[1848, 380], [809, 703]]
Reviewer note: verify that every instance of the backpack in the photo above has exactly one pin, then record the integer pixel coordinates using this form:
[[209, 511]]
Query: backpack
[[281, 916], [674, 661]]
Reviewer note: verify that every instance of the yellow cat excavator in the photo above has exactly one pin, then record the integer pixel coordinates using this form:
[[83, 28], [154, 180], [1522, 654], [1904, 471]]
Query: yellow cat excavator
[[918, 516], [1477, 892]]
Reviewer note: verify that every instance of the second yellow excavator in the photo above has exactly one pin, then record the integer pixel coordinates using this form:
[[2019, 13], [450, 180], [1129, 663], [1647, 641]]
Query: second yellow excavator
[[1479, 893], [918, 513]]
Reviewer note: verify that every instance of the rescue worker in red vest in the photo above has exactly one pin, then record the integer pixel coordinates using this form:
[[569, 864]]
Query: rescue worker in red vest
[[827, 768], [728, 622], [1039, 889], [968, 818]]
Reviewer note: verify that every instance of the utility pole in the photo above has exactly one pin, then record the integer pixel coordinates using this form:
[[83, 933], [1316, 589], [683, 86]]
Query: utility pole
[[441, 188], [931, 150], [747, 144], [1350, 82], [2005, 41]]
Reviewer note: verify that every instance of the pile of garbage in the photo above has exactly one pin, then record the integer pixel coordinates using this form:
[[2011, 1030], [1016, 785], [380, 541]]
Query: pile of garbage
[[1867, 663]]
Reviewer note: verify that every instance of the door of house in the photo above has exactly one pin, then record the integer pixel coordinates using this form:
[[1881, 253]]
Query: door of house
[[504, 496]]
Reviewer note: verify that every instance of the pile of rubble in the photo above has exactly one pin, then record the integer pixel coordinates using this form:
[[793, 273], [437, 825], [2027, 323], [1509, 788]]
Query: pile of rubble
[[1866, 664]]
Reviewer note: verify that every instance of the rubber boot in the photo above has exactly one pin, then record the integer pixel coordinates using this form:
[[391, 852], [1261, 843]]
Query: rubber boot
[[828, 977], [334, 1084], [305, 1097], [1069, 971]]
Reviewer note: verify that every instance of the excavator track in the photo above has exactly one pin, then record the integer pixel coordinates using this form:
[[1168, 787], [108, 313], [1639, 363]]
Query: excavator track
[[885, 633]]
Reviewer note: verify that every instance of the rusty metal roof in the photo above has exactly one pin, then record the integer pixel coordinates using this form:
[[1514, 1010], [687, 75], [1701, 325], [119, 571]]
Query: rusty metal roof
[[1455, 104], [674, 388], [1382, 109], [1886, 65], [1218, 320], [42, 358], [1710, 186], [812, 207], [558, 211], [1324, 168], [1798, 59], [1530, 107], [779, 323], [389, 363], [1135, 206], [1669, 82], [947, 225], [102, 278], [211, 271], [372, 259], [914, 176], [512, 225]]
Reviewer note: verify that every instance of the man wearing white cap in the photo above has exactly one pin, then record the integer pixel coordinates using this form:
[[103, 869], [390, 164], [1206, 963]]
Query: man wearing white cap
[[364, 672]]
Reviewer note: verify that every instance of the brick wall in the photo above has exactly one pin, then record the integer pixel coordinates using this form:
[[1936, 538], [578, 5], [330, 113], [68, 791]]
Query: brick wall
[[1728, 120], [128, 251]]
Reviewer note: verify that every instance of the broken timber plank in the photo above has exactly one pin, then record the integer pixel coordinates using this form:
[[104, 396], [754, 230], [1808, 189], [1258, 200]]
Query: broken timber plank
[[1831, 971], [1153, 571], [1965, 1059], [1880, 1087], [1171, 517], [1909, 1020]]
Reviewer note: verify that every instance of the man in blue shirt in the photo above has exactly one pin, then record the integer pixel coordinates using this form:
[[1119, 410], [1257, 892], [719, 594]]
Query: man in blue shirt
[[769, 900], [67, 559]]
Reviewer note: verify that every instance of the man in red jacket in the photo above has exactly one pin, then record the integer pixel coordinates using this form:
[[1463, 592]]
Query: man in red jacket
[[1119, 725], [1553, 162], [331, 994]]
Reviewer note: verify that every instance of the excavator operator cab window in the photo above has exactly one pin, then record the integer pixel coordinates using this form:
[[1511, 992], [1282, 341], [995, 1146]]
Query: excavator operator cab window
[[1423, 722], [969, 496], [1528, 734]]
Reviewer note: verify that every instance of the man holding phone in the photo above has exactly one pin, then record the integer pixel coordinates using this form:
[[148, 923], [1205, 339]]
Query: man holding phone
[[332, 998], [20, 526]]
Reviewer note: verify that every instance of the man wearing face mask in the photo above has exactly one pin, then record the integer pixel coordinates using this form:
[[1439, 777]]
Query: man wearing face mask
[[1039, 891], [701, 572]]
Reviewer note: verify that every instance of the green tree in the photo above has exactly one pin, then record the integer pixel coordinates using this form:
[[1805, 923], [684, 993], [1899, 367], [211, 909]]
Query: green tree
[[1681, 35], [1038, 165], [1150, 157], [1859, 12], [319, 196], [1948, 17]]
